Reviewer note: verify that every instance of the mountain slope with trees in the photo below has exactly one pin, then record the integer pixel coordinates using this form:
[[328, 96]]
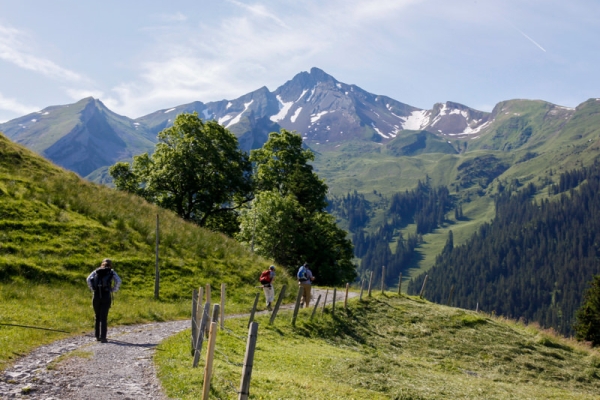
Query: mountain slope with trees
[[534, 260]]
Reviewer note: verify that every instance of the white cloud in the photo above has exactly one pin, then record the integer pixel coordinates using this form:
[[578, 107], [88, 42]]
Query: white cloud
[[78, 94], [13, 106], [260, 11], [225, 58], [13, 49]]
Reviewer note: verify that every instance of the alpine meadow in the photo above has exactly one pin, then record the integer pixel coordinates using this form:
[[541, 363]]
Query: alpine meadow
[[468, 240]]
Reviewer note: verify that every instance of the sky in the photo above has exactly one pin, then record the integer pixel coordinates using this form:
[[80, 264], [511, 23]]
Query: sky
[[141, 56]]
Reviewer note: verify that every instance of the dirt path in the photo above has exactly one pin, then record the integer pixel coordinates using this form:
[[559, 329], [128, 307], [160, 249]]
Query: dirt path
[[81, 368]]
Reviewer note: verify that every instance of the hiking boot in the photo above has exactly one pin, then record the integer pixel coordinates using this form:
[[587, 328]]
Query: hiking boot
[[269, 306], [103, 341]]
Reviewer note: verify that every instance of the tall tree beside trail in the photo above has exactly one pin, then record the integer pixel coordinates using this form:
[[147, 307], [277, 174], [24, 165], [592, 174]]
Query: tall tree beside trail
[[197, 170], [287, 221], [587, 326], [282, 166]]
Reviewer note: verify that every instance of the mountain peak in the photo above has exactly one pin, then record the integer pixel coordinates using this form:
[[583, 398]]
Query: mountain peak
[[321, 76]]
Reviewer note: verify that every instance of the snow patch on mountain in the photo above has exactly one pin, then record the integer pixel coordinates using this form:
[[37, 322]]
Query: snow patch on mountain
[[470, 131], [284, 108], [169, 110], [293, 117], [302, 95], [315, 117], [239, 116], [224, 119], [379, 132], [206, 113], [416, 120]]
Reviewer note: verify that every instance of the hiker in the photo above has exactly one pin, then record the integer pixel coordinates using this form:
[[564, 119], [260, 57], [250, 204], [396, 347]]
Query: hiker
[[103, 282], [266, 278], [305, 277]]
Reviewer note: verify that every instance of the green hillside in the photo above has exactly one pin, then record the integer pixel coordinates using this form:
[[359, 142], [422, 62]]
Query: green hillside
[[55, 228], [388, 347], [526, 141]]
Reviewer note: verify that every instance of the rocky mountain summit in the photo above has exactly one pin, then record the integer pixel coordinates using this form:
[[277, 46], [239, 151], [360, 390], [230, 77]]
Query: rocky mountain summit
[[86, 136]]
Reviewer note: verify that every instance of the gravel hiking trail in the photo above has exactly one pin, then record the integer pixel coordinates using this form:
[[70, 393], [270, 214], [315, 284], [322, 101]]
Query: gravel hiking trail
[[79, 367]]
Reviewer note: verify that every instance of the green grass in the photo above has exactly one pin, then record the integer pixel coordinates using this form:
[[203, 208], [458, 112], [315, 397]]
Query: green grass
[[388, 347], [55, 228]]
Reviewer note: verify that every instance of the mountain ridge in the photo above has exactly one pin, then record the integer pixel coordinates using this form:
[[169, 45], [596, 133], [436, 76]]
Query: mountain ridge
[[315, 104]]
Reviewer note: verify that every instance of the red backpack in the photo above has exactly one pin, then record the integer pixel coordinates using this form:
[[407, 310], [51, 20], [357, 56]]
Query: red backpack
[[265, 277]]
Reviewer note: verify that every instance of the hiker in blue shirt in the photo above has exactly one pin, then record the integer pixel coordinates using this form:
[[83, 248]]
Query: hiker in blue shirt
[[305, 277], [103, 282]]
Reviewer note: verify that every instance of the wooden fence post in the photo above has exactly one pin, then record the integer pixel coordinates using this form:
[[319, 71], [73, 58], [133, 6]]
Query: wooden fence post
[[333, 305], [400, 285], [253, 309], [248, 361], [200, 295], [325, 302], [346, 297], [297, 306], [450, 295], [382, 279], [362, 285], [315, 309], [423, 287], [222, 306], [194, 320], [210, 353], [208, 300], [200, 338], [215, 314], [370, 282], [156, 271], [279, 300]]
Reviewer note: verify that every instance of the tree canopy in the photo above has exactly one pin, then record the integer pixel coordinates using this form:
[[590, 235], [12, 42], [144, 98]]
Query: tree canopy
[[286, 221], [282, 166], [197, 170]]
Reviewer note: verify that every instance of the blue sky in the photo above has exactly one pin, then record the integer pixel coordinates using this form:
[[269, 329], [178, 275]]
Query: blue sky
[[141, 56]]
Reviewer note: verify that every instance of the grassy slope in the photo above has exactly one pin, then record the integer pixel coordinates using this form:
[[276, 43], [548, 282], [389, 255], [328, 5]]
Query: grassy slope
[[389, 347], [561, 140], [55, 228]]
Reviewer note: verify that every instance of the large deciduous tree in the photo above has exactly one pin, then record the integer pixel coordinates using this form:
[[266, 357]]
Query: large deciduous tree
[[286, 221], [282, 166], [197, 170]]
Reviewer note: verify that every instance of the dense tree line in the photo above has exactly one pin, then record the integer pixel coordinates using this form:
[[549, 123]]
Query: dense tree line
[[353, 207], [533, 261], [386, 245], [375, 251], [424, 206]]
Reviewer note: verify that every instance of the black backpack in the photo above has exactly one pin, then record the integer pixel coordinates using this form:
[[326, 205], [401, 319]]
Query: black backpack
[[103, 279]]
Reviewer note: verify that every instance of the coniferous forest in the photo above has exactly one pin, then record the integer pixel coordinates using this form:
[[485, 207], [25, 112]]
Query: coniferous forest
[[533, 261], [387, 246]]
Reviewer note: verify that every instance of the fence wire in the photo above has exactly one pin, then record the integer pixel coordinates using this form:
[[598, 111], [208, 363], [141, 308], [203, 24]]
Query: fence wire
[[227, 359], [230, 332]]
